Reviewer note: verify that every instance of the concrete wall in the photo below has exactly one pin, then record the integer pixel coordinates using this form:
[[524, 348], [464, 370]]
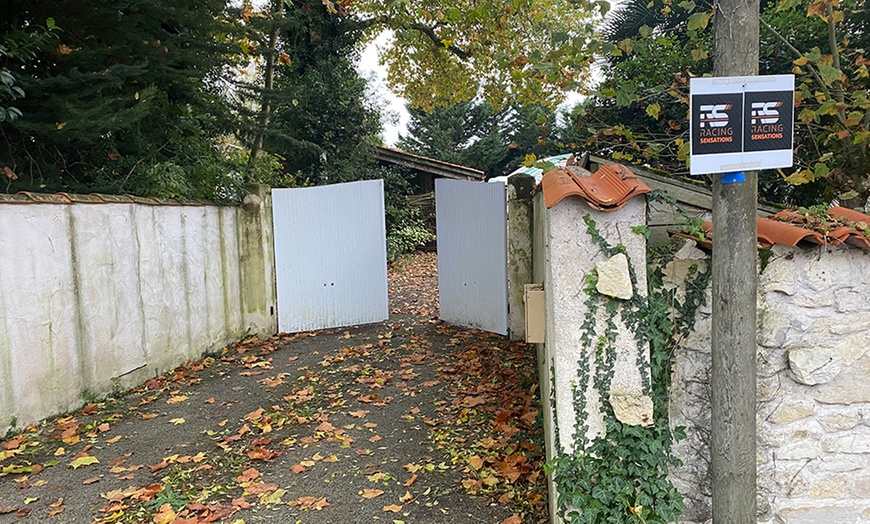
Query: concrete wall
[[96, 296], [564, 254], [520, 189], [813, 391]]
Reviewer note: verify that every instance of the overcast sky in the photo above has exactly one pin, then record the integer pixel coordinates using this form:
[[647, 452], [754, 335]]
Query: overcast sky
[[395, 117]]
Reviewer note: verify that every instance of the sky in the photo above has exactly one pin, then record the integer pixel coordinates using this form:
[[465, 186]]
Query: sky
[[395, 117]]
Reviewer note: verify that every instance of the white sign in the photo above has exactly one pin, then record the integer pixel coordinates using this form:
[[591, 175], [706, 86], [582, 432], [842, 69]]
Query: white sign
[[741, 123]]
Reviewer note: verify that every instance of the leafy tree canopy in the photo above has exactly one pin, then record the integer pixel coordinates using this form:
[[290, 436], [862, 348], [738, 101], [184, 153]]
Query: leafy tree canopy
[[505, 50], [639, 112]]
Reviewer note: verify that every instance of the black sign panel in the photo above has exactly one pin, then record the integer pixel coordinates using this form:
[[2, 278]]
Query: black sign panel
[[717, 121], [768, 120]]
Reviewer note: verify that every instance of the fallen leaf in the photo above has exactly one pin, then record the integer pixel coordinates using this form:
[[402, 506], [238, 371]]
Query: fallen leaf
[[248, 475], [7, 509], [91, 480], [178, 399], [297, 468], [83, 461], [407, 497], [476, 462], [262, 454], [371, 493], [149, 416], [209, 400], [56, 511], [408, 483], [513, 519], [177, 421], [273, 497], [30, 500], [393, 508], [165, 515], [113, 440]]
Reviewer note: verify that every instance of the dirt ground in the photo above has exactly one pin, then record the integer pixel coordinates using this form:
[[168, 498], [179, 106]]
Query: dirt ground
[[406, 421]]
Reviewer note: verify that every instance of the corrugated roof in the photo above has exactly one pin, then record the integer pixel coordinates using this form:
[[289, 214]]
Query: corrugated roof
[[427, 165]]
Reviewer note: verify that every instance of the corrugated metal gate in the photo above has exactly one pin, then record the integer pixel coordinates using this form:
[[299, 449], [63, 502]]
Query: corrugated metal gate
[[330, 255], [471, 219]]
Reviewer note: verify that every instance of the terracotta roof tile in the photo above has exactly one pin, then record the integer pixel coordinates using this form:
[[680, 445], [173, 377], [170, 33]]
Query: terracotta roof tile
[[608, 189], [774, 232], [791, 228]]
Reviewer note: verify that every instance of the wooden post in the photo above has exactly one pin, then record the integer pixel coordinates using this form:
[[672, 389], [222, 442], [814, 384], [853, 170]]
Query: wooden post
[[735, 281]]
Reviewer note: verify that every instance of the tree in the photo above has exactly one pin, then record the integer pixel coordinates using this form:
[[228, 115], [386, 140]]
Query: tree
[[128, 100], [504, 50], [474, 134], [308, 105], [640, 110]]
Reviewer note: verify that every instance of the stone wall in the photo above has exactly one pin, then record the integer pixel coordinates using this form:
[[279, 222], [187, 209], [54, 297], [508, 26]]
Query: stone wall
[[813, 390], [97, 296]]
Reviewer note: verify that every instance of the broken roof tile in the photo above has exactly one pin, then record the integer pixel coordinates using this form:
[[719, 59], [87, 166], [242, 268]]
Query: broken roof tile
[[608, 189]]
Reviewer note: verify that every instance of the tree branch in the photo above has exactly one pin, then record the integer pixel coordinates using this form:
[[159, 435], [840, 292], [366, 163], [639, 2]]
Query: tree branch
[[430, 33]]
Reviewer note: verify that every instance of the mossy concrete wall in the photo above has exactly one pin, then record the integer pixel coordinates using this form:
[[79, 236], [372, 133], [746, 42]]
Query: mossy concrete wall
[[520, 189], [97, 296], [564, 254]]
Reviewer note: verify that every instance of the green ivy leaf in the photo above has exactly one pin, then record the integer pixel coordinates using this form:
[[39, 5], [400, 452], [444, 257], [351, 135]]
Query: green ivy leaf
[[653, 110], [626, 45], [645, 31]]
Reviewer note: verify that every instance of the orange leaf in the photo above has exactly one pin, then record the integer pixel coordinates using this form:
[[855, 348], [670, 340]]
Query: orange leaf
[[476, 462], [513, 519], [297, 468], [393, 508], [410, 481], [372, 493], [262, 454], [165, 515], [248, 475], [257, 414]]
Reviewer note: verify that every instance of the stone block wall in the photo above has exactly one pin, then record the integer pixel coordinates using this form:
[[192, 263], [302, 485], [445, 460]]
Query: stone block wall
[[813, 390]]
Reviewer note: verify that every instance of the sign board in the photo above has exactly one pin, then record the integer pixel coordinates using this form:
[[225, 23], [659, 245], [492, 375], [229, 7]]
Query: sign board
[[741, 123]]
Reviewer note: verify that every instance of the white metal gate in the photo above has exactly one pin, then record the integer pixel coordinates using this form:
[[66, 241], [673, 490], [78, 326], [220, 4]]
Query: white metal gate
[[472, 254], [330, 255]]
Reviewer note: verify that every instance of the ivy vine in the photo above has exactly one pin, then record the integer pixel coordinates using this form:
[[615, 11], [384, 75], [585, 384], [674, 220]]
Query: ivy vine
[[622, 477]]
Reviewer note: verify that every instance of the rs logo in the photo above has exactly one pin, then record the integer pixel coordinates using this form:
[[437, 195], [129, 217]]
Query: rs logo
[[765, 112], [714, 115]]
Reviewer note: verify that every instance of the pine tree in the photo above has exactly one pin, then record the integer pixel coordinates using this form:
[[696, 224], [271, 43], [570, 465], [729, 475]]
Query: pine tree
[[128, 100]]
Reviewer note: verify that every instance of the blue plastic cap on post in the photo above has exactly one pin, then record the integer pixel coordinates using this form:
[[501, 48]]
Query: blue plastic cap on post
[[733, 178]]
